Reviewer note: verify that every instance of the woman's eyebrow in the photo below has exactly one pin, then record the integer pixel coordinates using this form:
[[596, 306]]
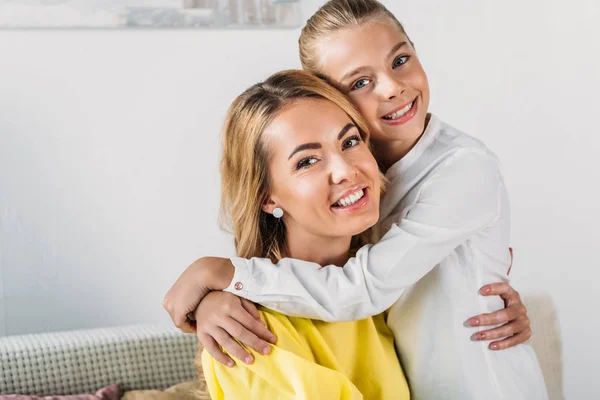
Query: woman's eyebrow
[[305, 146], [315, 145], [345, 129]]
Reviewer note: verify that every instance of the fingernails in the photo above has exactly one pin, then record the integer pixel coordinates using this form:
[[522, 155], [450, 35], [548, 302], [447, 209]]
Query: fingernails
[[273, 339], [494, 346], [248, 360], [485, 290], [478, 336], [230, 363], [266, 350], [472, 322]]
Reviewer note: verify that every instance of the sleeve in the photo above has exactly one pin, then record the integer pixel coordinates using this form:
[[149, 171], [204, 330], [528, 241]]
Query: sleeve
[[460, 198], [283, 374]]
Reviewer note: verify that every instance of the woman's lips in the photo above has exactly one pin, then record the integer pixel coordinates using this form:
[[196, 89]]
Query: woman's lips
[[363, 201]]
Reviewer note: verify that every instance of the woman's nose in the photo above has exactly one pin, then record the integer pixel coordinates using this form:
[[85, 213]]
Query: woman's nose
[[342, 170]]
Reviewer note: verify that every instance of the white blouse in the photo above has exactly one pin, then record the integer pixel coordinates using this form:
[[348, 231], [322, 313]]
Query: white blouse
[[443, 233]]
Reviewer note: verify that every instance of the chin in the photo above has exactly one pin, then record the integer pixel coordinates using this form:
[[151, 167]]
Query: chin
[[366, 223]]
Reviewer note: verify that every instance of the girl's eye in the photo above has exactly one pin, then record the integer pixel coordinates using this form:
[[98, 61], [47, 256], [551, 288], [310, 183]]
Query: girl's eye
[[306, 162], [351, 142], [400, 61], [359, 84]]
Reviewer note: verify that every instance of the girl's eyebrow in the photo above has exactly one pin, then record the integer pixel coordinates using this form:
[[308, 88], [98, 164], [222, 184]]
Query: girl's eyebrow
[[396, 48], [352, 73], [363, 69]]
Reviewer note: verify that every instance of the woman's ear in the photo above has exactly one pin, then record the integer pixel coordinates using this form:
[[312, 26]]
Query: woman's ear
[[269, 205]]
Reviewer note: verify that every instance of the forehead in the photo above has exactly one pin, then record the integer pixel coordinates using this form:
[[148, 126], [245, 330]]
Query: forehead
[[306, 121], [353, 47]]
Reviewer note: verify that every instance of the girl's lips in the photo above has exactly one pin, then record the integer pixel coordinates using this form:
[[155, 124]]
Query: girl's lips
[[406, 117], [363, 201]]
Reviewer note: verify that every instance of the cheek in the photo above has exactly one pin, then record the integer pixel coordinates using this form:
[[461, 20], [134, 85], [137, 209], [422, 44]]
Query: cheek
[[305, 193], [366, 104], [420, 81], [369, 166]]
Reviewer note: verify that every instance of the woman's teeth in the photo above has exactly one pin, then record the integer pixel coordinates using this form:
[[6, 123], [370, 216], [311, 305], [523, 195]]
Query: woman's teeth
[[399, 113], [351, 199]]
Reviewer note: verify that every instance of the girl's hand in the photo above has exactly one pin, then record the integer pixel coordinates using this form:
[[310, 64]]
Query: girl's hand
[[222, 317], [204, 275], [516, 328]]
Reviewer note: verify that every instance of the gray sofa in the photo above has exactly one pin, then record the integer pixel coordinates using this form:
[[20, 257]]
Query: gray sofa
[[74, 362]]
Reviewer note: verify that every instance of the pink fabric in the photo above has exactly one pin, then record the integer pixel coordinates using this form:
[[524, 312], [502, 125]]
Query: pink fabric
[[108, 393]]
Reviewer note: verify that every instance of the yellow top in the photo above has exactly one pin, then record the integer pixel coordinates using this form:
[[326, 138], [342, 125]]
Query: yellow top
[[315, 360]]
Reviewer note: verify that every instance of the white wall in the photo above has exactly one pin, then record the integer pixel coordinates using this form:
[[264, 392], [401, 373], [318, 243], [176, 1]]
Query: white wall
[[109, 152]]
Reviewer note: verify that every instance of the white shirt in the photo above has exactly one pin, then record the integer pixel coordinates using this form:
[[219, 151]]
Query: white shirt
[[444, 229]]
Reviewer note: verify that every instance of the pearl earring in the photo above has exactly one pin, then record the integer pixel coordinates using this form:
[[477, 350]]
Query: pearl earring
[[278, 212]]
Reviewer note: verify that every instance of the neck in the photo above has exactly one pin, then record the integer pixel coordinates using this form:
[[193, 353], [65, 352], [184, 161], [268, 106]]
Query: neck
[[321, 250], [390, 152]]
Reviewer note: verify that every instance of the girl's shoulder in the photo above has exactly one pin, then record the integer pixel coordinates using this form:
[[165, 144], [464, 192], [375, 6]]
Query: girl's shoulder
[[454, 139]]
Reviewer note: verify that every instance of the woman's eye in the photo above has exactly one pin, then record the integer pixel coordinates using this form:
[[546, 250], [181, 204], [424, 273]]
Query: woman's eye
[[351, 142], [400, 61], [306, 162], [359, 84]]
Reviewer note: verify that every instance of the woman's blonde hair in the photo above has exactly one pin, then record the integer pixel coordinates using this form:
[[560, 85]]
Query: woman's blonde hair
[[333, 16], [245, 158]]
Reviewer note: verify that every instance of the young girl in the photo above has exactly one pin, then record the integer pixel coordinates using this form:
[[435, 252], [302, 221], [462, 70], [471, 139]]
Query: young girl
[[266, 140], [443, 230]]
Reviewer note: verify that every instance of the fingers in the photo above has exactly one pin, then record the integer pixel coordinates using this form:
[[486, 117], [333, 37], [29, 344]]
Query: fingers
[[499, 317], [497, 289], [251, 308], [504, 290], [239, 332], [503, 331], [255, 327], [213, 349], [512, 341], [185, 324], [224, 339]]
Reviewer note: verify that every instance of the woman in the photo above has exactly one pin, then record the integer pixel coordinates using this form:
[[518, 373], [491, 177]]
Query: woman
[[267, 165]]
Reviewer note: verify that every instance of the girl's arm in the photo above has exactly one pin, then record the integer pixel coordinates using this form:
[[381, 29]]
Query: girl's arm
[[461, 197]]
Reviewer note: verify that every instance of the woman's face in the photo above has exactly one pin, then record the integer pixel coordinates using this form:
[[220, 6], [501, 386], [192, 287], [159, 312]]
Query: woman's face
[[322, 173], [375, 64]]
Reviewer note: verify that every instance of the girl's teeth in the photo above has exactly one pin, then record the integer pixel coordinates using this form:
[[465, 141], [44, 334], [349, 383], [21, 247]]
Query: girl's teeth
[[350, 199], [399, 113]]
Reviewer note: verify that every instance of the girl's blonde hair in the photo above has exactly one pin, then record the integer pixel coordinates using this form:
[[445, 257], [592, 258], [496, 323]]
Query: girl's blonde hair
[[245, 158], [333, 16]]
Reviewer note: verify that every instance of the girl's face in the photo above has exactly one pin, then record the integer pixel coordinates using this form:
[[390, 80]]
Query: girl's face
[[375, 64], [322, 173]]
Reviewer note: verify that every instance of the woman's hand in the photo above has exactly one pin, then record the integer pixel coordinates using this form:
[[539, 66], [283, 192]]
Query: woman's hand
[[204, 275], [516, 328], [222, 317]]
